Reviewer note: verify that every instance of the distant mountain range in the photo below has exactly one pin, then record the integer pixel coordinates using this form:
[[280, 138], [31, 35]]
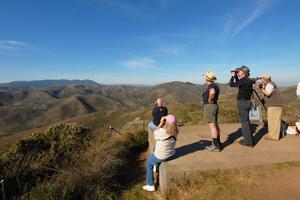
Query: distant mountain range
[[25, 85], [27, 105]]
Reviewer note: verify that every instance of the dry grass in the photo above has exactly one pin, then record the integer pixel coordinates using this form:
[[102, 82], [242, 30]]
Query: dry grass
[[217, 184], [65, 163], [223, 184]]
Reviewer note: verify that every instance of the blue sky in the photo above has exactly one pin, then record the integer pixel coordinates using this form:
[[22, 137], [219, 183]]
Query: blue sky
[[148, 41]]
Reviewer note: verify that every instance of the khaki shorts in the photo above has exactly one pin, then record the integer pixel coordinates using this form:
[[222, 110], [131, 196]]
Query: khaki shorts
[[211, 113]]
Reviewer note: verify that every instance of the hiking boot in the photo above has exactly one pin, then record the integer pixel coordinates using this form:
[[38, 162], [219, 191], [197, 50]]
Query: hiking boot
[[242, 142], [213, 148], [149, 188], [269, 138]]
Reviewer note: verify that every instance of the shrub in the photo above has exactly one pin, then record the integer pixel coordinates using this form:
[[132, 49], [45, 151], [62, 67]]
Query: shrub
[[38, 157], [64, 163], [100, 172]]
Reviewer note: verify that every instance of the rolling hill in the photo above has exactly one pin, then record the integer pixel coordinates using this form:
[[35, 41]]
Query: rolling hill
[[28, 105]]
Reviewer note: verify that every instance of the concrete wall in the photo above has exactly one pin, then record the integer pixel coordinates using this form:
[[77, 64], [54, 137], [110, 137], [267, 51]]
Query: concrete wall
[[151, 141]]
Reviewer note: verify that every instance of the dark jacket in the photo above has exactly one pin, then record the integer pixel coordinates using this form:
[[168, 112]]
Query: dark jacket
[[158, 113], [244, 85]]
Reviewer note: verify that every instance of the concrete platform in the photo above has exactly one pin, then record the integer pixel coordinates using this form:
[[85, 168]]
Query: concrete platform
[[190, 153]]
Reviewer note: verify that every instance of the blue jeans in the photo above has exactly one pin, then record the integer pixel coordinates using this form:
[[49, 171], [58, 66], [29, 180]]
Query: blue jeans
[[152, 125], [152, 160]]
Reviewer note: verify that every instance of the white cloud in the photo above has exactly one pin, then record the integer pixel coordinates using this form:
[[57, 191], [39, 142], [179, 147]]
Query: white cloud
[[261, 6], [171, 50], [11, 44], [229, 22], [140, 63], [233, 24]]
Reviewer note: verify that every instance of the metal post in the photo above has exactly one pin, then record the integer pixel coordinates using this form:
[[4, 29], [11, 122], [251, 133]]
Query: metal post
[[112, 129]]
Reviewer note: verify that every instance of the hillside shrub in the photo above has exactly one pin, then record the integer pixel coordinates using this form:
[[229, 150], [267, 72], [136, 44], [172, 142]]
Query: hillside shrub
[[64, 163], [101, 172], [38, 157]]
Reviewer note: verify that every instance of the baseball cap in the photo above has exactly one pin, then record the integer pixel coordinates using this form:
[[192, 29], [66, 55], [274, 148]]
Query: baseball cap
[[244, 69]]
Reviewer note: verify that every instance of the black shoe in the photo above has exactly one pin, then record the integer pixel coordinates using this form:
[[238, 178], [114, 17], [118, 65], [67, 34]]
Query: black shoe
[[242, 142], [213, 148]]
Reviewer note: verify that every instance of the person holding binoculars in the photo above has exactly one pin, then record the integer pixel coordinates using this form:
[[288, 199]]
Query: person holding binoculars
[[272, 100], [240, 78]]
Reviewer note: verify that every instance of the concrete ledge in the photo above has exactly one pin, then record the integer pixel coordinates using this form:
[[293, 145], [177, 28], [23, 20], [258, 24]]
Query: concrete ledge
[[163, 178], [190, 153], [151, 141]]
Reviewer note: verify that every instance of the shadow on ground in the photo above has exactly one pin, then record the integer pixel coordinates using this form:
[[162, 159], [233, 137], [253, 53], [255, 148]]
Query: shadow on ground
[[232, 137], [260, 134], [190, 148]]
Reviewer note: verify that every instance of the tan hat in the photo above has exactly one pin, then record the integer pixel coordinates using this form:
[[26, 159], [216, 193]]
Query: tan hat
[[266, 76], [210, 76]]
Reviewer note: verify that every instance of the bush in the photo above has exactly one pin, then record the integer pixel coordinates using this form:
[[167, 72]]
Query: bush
[[100, 172], [64, 163], [32, 160]]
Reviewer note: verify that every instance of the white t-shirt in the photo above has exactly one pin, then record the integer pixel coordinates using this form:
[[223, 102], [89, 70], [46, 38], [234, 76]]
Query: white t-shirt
[[269, 88], [163, 148], [298, 90]]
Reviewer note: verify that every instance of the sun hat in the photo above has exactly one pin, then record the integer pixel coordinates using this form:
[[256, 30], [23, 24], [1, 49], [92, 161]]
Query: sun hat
[[266, 76], [210, 76], [244, 69], [171, 119]]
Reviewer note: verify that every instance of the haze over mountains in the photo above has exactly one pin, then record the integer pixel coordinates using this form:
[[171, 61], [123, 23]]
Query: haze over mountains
[[25, 105], [28, 105]]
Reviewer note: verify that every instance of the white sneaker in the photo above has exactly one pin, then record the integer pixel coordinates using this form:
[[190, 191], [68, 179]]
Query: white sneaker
[[149, 188], [154, 168]]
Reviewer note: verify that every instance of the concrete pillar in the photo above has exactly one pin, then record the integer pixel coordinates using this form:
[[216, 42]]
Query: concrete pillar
[[150, 140], [163, 179]]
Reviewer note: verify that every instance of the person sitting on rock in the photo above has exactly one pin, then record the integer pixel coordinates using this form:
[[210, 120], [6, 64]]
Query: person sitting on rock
[[165, 141], [158, 112]]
